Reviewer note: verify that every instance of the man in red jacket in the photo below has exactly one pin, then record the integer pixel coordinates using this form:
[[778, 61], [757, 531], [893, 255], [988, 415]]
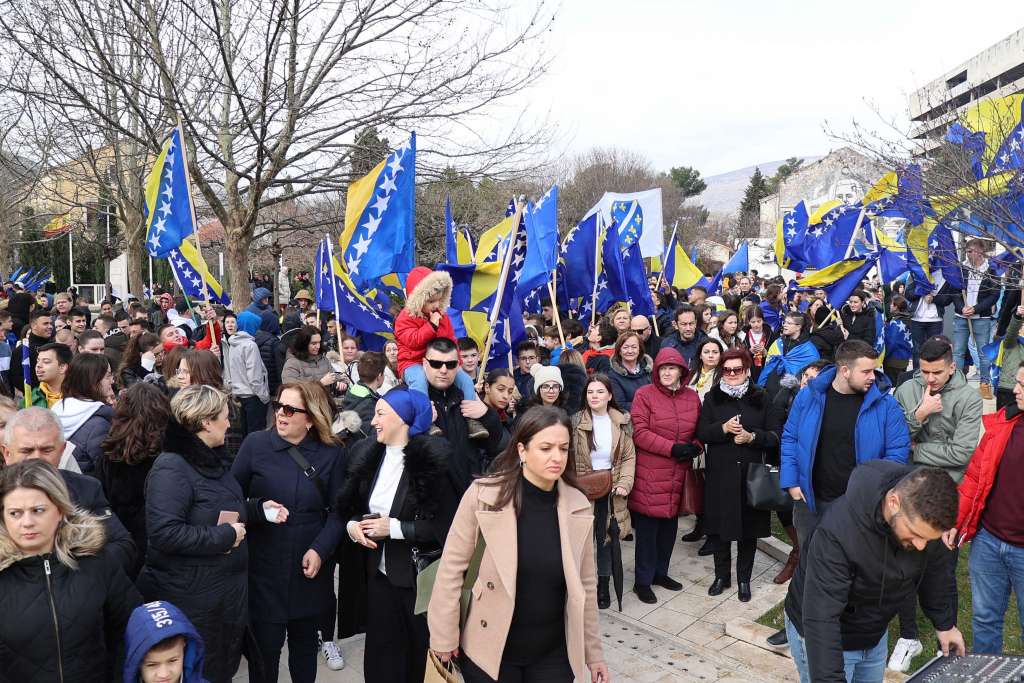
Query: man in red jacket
[[991, 510]]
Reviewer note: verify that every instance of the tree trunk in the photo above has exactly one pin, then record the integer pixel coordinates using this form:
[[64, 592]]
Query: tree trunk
[[138, 258], [237, 257]]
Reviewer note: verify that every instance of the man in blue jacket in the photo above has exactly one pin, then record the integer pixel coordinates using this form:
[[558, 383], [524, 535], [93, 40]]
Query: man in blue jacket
[[162, 646], [841, 420]]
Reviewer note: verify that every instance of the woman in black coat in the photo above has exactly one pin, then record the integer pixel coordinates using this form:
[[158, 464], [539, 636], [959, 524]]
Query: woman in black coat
[[65, 600], [195, 517], [733, 427], [398, 502], [293, 530], [859, 318], [130, 449]]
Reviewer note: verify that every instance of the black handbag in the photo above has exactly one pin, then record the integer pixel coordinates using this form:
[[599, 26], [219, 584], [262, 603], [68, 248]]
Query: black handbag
[[763, 490]]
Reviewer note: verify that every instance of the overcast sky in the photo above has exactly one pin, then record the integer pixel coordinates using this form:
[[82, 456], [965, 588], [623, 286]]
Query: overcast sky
[[724, 84]]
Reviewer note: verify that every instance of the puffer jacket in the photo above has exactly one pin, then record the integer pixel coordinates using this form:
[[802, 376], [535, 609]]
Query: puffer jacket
[[85, 424], [191, 560], [662, 418], [63, 624], [412, 330], [948, 438], [880, 434], [623, 458], [625, 383], [983, 468]]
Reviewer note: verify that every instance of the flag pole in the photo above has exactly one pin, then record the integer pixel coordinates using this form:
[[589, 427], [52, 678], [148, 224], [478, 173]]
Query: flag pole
[[195, 232], [506, 262], [597, 262], [334, 292], [552, 289], [853, 236]]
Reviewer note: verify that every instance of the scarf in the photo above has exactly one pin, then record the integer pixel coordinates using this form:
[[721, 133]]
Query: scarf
[[734, 391], [51, 396]]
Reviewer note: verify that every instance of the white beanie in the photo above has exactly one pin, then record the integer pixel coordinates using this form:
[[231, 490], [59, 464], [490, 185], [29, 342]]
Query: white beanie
[[543, 374]]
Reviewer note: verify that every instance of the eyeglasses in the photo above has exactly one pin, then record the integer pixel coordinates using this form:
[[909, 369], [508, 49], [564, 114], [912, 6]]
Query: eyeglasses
[[733, 371], [288, 410], [438, 364], [527, 359], [550, 387]]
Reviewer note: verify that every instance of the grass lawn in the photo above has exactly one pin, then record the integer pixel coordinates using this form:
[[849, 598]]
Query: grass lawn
[[1011, 629]]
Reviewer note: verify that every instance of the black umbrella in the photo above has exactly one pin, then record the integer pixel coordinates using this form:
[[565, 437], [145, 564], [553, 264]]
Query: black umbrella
[[616, 547]]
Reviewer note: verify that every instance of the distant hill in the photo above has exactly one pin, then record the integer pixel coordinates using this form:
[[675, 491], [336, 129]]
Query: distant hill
[[725, 190]]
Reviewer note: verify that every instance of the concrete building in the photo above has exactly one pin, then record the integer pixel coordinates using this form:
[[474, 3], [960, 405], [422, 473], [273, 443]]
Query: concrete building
[[995, 72], [844, 174]]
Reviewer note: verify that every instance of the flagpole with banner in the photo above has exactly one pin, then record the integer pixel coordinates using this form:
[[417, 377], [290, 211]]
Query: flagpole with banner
[[597, 264], [195, 233], [661, 275], [552, 289], [506, 262], [337, 308]]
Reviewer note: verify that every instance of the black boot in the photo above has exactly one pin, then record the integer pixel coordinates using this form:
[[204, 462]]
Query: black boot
[[697, 533], [718, 586], [778, 639], [604, 598], [709, 547], [743, 593]]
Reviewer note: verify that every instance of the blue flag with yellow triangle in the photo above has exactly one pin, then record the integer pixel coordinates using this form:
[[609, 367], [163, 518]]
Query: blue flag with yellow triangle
[[167, 209]]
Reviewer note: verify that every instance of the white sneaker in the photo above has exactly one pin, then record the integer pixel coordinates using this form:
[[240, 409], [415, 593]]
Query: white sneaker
[[335, 660], [905, 650]]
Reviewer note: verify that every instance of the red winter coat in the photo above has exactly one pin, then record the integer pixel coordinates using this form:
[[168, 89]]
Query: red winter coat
[[981, 470], [412, 331], [661, 419]]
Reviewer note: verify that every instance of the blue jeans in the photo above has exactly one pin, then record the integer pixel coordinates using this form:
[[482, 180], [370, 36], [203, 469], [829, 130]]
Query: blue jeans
[[995, 568], [962, 343], [416, 379], [861, 666]]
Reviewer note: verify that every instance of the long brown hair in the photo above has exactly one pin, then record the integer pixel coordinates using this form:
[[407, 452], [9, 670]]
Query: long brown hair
[[204, 368], [85, 372], [136, 347], [137, 427], [508, 472]]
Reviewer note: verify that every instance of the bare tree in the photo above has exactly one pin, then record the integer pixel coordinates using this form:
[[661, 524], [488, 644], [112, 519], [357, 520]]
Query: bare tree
[[271, 94]]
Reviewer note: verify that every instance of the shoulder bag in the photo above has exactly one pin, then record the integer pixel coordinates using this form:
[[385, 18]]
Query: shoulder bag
[[763, 490], [311, 473], [426, 576]]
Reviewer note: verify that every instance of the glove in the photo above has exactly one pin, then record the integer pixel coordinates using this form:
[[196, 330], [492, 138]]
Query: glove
[[685, 451]]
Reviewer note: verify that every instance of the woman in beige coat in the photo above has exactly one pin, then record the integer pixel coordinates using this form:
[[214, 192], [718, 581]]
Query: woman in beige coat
[[602, 439], [533, 608]]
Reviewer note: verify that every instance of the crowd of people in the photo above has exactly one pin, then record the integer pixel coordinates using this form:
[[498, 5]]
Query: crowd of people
[[184, 487]]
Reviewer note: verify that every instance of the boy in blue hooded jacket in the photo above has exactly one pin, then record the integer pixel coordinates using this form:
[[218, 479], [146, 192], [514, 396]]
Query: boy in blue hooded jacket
[[162, 646]]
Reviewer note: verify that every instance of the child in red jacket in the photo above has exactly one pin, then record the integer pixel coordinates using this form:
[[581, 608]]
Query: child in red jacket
[[424, 317]]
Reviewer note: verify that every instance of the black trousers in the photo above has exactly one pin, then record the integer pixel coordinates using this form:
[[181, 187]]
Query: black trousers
[[254, 415], [302, 649], [551, 668], [655, 539], [746, 549], [396, 639]]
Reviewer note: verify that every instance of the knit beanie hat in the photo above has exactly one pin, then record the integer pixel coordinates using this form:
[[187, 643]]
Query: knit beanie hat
[[413, 407], [543, 374]]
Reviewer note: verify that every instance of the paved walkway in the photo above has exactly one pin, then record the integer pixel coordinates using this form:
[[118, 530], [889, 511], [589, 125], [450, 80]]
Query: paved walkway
[[679, 639]]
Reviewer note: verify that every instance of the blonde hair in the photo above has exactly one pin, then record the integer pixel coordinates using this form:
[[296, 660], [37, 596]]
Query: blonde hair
[[318, 407], [79, 533], [196, 403]]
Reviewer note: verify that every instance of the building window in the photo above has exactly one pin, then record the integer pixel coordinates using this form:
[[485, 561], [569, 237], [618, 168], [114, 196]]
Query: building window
[[956, 80]]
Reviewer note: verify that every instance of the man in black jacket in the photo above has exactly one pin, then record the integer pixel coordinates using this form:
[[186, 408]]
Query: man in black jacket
[[876, 545], [440, 364], [36, 433], [687, 336]]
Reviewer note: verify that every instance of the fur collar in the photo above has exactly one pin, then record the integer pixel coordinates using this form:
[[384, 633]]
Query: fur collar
[[426, 459], [212, 463], [437, 282]]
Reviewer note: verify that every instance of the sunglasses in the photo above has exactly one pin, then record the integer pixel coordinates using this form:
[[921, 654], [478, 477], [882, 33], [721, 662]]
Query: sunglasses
[[640, 331], [734, 371], [289, 411], [438, 364]]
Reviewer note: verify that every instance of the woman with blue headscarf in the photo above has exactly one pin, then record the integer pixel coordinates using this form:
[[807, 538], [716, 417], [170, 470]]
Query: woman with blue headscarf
[[398, 502]]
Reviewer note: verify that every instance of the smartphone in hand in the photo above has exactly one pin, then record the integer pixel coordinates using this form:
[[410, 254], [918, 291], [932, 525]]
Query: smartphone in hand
[[227, 517]]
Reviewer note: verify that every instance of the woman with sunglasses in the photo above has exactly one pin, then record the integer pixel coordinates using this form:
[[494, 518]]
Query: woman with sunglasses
[[733, 427], [290, 474]]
